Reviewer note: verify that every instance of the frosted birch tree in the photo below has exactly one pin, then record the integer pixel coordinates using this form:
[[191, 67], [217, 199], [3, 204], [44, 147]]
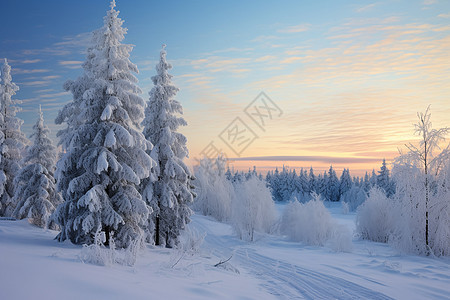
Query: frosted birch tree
[[417, 172], [105, 156], [12, 140], [35, 189], [172, 192]]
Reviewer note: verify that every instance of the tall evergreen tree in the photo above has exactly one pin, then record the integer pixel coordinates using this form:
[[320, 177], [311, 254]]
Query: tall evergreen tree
[[312, 181], [332, 185], [366, 183], [373, 179], [384, 180], [12, 140], [172, 192], [345, 182], [323, 185], [105, 155], [35, 189], [275, 185], [304, 182]]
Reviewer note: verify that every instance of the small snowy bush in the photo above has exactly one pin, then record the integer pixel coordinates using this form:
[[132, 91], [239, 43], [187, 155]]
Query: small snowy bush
[[341, 239], [345, 208], [253, 209], [311, 223], [191, 241], [99, 254], [214, 192], [354, 197], [375, 219]]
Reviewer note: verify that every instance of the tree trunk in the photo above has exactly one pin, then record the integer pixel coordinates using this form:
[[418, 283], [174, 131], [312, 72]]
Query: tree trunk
[[157, 242], [107, 235], [425, 153], [426, 213]]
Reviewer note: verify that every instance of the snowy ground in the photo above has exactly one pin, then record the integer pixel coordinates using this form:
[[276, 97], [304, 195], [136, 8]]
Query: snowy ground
[[33, 265]]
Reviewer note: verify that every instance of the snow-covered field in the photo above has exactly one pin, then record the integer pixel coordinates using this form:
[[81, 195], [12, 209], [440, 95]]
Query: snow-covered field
[[34, 266]]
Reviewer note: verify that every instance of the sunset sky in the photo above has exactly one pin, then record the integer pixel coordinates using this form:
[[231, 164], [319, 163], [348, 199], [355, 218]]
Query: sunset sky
[[346, 78]]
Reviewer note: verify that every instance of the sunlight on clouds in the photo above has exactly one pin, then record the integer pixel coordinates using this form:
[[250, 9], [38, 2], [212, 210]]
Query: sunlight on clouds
[[354, 97]]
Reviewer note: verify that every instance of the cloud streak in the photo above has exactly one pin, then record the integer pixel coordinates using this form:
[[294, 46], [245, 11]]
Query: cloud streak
[[296, 28], [323, 159]]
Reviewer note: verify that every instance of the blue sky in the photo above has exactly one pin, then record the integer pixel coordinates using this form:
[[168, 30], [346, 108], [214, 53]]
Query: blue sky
[[349, 76]]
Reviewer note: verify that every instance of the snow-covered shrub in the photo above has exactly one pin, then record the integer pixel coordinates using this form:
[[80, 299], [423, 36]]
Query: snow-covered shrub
[[341, 239], [253, 208], [345, 208], [375, 217], [214, 192], [99, 254], [440, 212], [191, 241], [354, 197], [312, 224], [308, 222], [301, 197]]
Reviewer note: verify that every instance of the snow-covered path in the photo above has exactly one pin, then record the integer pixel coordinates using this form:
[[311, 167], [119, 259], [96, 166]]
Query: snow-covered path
[[288, 270], [282, 279], [290, 281]]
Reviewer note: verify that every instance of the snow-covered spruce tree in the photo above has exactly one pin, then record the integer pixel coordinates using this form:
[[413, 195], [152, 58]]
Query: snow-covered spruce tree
[[345, 182], [12, 140], [172, 192], [384, 180], [35, 189], [105, 155], [332, 185], [312, 181]]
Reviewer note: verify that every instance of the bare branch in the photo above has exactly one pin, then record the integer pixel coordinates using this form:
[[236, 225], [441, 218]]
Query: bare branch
[[223, 261]]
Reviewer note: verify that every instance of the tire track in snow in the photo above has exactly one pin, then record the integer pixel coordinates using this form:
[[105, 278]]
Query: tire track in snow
[[291, 281], [281, 279]]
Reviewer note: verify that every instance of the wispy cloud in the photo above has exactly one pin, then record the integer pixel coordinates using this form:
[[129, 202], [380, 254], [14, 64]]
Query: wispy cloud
[[231, 49], [71, 64], [45, 51], [29, 71], [324, 159], [429, 2], [51, 77], [366, 7], [81, 40], [265, 38], [37, 83], [296, 28], [31, 61], [53, 95], [445, 16], [221, 64], [66, 46], [265, 58], [45, 90]]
